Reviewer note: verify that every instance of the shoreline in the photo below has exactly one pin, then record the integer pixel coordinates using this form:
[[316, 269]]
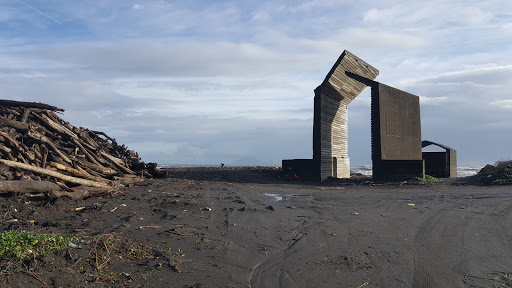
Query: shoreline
[[462, 171]]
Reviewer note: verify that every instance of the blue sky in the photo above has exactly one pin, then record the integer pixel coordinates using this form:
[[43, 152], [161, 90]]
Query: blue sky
[[204, 82]]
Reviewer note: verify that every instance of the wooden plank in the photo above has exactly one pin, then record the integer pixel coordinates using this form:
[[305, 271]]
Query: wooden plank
[[346, 87]]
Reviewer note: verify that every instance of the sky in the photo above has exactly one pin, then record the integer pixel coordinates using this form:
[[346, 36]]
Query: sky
[[205, 82]]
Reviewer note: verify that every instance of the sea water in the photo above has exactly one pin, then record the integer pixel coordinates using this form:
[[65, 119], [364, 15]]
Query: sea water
[[462, 171]]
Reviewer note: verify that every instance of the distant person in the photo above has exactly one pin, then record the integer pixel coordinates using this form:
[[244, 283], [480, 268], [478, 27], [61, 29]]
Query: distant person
[[221, 165]]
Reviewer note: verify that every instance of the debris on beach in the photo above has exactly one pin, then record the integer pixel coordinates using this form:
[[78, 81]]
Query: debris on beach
[[44, 155], [498, 174]]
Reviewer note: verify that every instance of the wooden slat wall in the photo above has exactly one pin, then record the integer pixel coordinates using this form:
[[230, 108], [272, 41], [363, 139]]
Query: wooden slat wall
[[346, 86], [343, 167], [335, 93], [334, 135]]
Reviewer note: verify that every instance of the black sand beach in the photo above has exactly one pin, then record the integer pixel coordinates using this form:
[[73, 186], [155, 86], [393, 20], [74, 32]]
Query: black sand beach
[[246, 227]]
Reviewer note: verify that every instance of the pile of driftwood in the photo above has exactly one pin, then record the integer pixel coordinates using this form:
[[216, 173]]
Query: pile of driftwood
[[41, 153]]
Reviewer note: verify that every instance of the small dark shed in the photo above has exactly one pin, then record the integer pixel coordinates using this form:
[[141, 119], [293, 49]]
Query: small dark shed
[[440, 164]]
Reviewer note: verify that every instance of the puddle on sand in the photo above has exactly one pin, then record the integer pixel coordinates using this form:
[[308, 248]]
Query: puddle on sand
[[276, 197], [279, 197]]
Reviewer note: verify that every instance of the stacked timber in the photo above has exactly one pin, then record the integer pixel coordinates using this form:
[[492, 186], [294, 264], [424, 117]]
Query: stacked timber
[[330, 143], [41, 153]]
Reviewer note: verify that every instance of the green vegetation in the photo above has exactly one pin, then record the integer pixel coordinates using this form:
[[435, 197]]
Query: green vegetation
[[427, 179], [21, 252], [107, 246], [27, 246]]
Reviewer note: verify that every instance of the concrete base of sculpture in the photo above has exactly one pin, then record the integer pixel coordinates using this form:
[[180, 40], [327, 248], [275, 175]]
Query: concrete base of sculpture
[[309, 169], [397, 170], [304, 169]]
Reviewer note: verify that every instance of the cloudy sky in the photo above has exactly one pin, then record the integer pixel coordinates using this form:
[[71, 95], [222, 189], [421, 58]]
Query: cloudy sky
[[204, 82]]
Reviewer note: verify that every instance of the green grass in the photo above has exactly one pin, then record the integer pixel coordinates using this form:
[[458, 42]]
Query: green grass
[[427, 179], [20, 252], [26, 246]]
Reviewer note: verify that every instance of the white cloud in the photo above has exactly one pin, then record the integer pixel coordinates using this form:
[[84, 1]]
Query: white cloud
[[253, 97], [433, 100], [137, 7], [316, 4], [376, 16], [474, 16], [507, 28], [435, 14], [161, 58], [503, 104], [261, 16], [384, 39], [488, 77]]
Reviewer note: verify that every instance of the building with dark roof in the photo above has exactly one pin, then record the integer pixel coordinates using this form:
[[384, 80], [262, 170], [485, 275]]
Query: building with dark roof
[[440, 164]]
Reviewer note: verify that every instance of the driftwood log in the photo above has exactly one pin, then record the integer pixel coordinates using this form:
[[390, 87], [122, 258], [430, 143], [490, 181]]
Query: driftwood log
[[12, 103], [20, 126], [75, 195], [49, 188], [18, 186], [58, 175]]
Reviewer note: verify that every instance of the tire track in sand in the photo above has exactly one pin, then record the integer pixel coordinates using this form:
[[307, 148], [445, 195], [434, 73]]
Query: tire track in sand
[[445, 238], [439, 243], [271, 264]]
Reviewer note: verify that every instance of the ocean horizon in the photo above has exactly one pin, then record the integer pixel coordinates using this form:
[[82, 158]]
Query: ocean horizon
[[462, 171]]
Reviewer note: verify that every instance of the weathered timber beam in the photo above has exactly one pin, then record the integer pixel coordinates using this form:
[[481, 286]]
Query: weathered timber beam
[[57, 127], [64, 130], [86, 137], [11, 140], [117, 162], [75, 195], [76, 172], [98, 168], [44, 151], [22, 127], [12, 103], [5, 149], [25, 115], [20, 186], [106, 136], [44, 139], [87, 154], [58, 175]]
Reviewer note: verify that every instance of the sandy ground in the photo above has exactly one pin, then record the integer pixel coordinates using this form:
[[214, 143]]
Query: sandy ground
[[248, 228]]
